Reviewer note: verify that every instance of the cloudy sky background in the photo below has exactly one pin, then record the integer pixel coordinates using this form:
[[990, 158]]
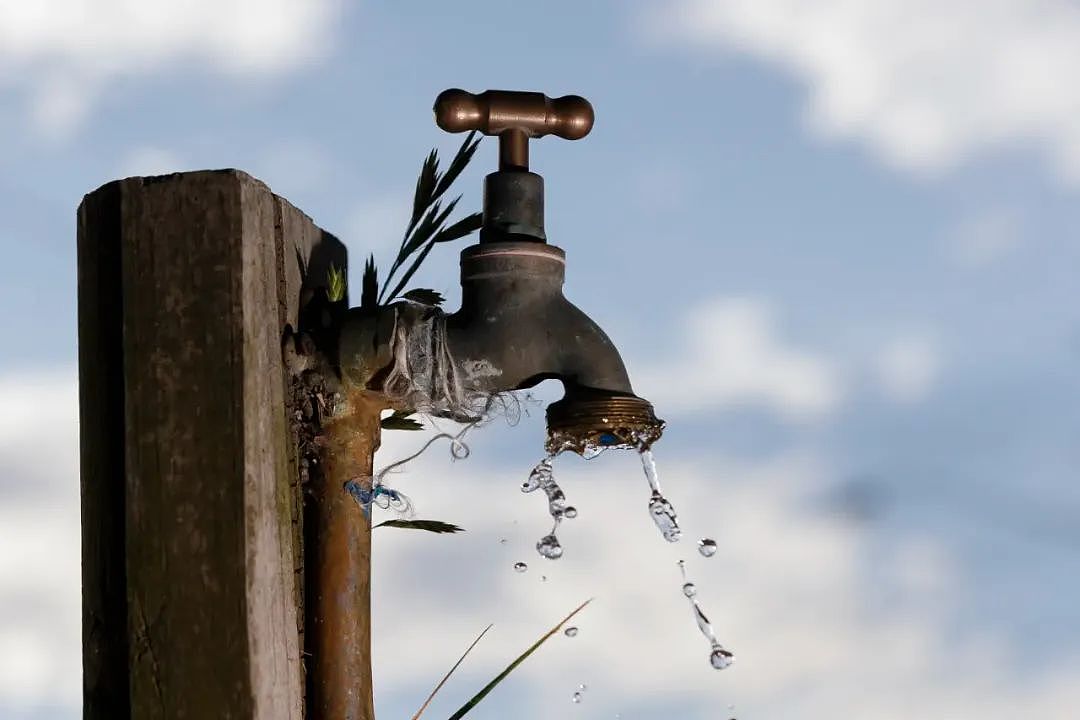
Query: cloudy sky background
[[837, 243]]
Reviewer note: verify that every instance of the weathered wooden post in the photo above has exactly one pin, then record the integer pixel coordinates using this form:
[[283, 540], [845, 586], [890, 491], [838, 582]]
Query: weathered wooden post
[[193, 558]]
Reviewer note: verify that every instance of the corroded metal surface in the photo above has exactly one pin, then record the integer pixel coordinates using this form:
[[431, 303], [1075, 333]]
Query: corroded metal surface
[[338, 538], [583, 422]]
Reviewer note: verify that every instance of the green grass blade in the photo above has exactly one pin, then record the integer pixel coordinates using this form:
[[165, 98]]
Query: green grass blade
[[335, 283], [465, 226], [409, 273], [435, 526], [369, 296], [461, 159], [510, 668], [425, 296], [448, 674], [425, 188]]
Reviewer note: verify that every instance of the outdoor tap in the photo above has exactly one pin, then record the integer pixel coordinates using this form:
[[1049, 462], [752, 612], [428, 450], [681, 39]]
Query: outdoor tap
[[515, 328]]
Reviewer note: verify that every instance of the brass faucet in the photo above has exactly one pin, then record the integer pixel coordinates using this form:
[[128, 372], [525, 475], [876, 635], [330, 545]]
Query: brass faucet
[[514, 328]]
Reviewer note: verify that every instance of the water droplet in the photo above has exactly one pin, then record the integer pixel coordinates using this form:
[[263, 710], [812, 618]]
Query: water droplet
[[543, 578], [582, 687], [592, 451], [540, 475], [502, 541], [703, 622], [575, 698], [570, 512], [556, 499], [549, 547], [663, 514], [648, 462], [520, 567], [661, 511], [707, 547], [720, 658], [570, 631]]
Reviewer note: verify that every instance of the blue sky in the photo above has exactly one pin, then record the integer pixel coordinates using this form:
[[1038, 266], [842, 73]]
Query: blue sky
[[835, 242]]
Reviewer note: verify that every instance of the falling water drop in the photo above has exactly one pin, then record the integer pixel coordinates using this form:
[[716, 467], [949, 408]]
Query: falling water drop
[[549, 547], [648, 462], [539, 476], [591, 451], [543, 578], [660, 510], [570, 631], [719, 657], [520, 567], [575, 698], [582, 687], [502, 541], [707, 547], [556, 499], [663, 514], [543, 477]]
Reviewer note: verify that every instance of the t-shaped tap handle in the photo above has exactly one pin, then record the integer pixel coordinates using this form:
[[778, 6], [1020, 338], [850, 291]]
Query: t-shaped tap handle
[[515, 117]]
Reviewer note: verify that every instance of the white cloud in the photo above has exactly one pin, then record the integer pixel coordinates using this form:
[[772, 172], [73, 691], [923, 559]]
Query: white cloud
[[788, 590], [62, 53], [985, 237], [40, 659], [731, 354], [925, 83], [907, 368]]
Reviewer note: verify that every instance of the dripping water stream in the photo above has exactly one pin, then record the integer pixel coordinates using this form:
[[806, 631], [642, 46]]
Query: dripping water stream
[[719, 657]]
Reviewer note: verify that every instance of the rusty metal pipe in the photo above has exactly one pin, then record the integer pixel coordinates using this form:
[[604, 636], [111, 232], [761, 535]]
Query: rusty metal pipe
[[338, 566]]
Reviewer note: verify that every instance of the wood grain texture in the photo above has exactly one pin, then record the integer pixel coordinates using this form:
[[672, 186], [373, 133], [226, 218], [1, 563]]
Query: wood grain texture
[[190, 500]]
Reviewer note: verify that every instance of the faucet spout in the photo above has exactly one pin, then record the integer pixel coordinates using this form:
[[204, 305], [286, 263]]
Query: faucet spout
[[515, 328]]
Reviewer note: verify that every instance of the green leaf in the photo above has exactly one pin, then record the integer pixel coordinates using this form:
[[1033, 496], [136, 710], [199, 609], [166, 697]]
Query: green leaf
[[435, 526], [369, 297], [410, 272], [335, 284], [425, 297], [449, 673], [400, 422], [510, 668], [461, 159], [430, 225], [465, 226], [428, 216], [425, 187]]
